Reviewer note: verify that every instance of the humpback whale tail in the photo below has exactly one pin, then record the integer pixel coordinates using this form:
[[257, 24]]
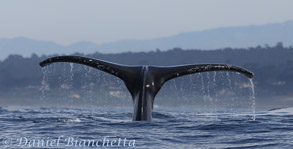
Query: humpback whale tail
[[144, 82]]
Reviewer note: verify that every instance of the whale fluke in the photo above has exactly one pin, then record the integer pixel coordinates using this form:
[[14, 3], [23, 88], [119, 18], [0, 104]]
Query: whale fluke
[[144, 82]]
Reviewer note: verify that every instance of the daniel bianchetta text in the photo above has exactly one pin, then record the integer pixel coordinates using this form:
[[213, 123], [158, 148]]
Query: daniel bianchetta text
[[62, 141]]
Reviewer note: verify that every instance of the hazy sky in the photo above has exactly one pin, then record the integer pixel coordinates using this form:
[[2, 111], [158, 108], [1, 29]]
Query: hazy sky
[[69, 21]]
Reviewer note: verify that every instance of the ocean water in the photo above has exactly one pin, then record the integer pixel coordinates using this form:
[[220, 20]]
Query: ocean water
[[171, 128]]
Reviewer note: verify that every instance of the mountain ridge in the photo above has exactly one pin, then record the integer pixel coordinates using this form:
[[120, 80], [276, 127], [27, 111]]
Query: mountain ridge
[[234, 37]]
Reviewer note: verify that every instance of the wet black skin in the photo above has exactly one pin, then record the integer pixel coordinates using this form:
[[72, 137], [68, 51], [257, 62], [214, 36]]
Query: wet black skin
[[144, 82]]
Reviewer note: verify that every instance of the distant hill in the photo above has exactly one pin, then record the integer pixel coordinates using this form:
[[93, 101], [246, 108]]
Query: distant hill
[[234, 37], [26, 47]]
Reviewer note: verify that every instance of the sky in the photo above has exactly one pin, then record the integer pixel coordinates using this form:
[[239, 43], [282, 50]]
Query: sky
[[101, 21]]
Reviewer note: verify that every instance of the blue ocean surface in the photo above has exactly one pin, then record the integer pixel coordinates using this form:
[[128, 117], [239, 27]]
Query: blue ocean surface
[[171, 127]]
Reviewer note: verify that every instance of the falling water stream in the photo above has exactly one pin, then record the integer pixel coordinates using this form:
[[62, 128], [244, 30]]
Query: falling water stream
[[252, 98], [44, 85]]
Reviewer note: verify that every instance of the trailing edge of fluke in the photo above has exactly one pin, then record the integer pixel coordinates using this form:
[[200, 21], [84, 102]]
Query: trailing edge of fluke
[[144, 82]]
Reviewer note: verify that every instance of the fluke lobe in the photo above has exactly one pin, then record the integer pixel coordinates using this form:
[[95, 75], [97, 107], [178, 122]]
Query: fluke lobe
[[144, 82]]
